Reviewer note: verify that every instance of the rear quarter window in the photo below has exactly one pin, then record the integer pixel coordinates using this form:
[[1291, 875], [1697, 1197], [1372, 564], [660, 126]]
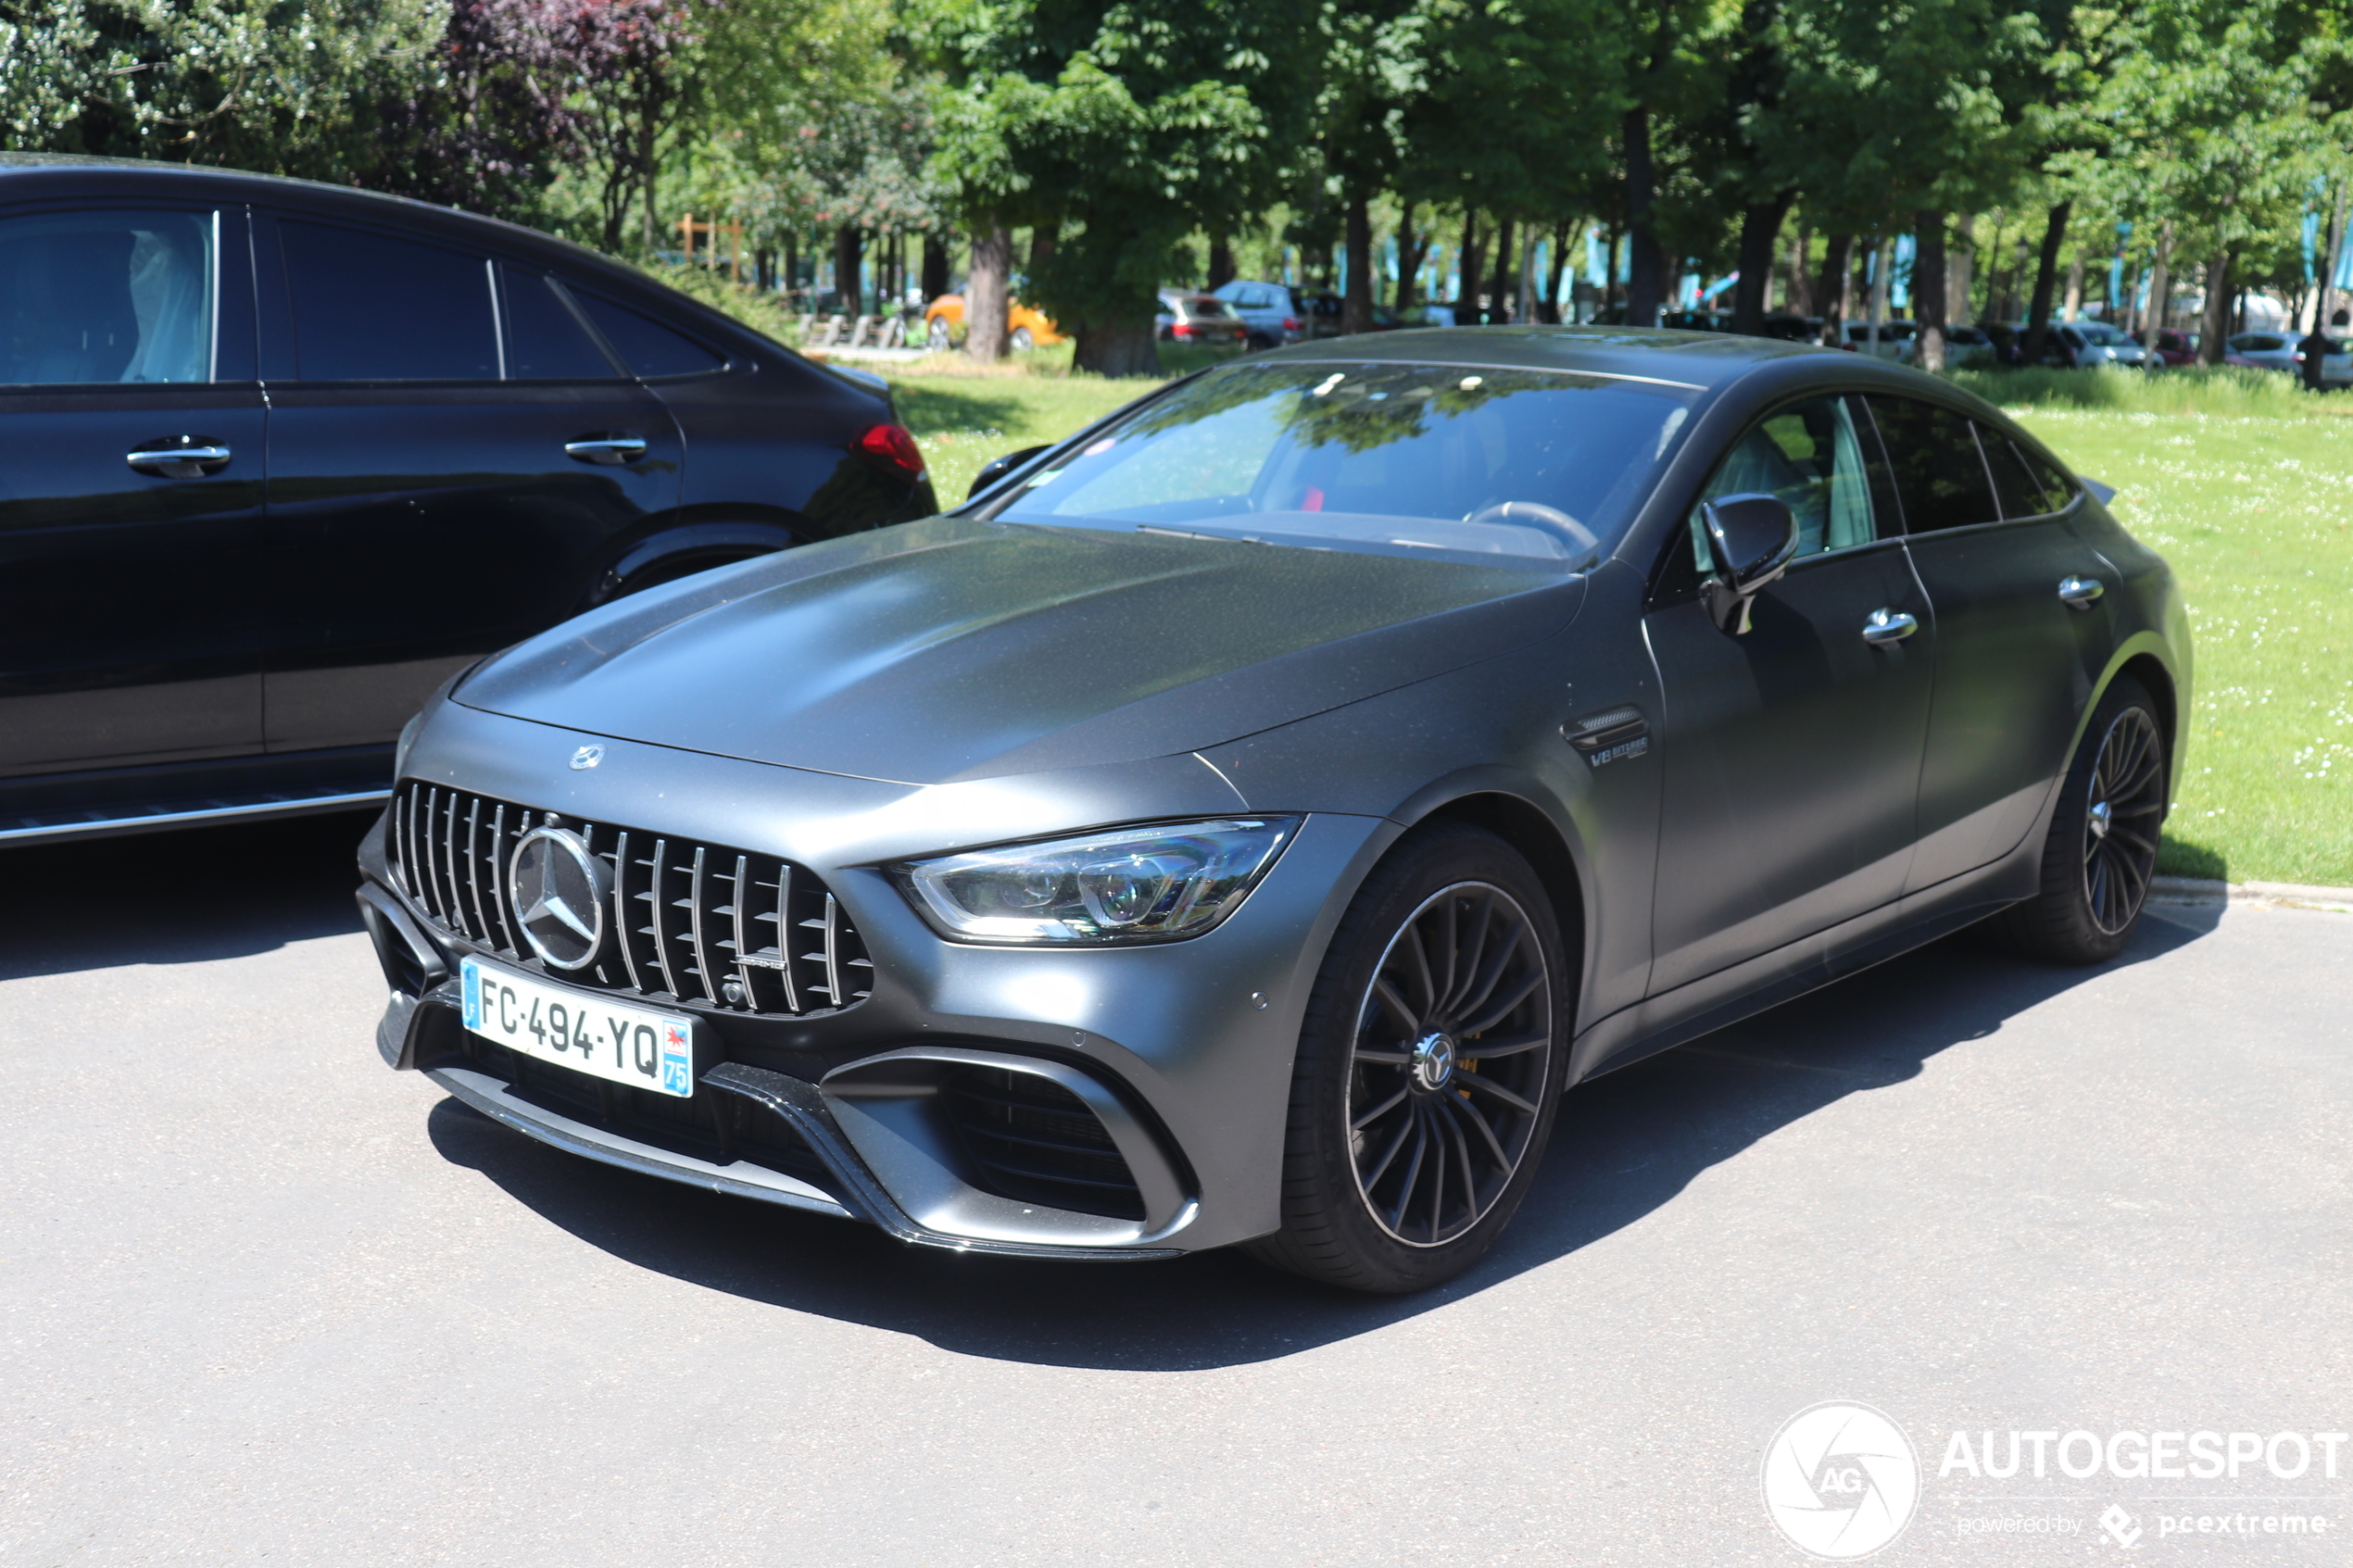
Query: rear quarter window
[[649, 348]]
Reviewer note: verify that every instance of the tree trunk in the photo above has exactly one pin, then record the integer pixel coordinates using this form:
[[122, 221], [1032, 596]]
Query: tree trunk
[[1551, 307], [1356, 302], [2038, 323], [1467, 272], [1646, 288], [1928, 290], [792, 261], [1041, 250], [1760, 227], [1499, 288], [1801, 294], [1838, 270], [1118, 348], [985, 294], [2337, 254], [1959, 260], [2216, 323], [936, 243], [1221, 262], [1412, 251]]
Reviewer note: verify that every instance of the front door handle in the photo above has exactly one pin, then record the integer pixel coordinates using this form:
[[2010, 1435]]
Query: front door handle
[[179, 456], [610, 450], [2079, 593], [1887, 626]]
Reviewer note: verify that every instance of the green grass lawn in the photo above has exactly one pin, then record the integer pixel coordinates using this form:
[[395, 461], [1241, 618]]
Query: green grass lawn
[[2244, 484]]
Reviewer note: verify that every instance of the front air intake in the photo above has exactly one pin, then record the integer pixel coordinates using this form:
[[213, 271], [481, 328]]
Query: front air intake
[[686, 922], [1036, 1141]]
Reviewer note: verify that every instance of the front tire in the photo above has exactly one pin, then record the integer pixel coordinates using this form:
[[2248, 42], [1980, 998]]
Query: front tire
[[1430, 1065], [2101, 852]]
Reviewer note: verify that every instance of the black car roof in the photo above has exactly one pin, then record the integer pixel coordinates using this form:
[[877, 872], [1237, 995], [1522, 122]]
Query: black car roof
[[1697, 359]]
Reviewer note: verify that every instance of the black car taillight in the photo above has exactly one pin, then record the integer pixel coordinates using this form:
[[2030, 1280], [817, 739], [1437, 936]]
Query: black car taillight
[[892, 448]]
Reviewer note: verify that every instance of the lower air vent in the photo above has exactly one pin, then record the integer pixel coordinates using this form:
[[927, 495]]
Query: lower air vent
[[683, 922], [1036, 1141]]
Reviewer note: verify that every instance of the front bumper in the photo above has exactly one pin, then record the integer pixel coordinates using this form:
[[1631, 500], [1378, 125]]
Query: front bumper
[[1181, 1053]]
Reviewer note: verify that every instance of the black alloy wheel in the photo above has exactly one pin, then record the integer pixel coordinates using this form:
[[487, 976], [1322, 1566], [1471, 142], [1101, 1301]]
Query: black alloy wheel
[[2101, 852], [1430, 1065], [1453, 1039], [2121, 820]]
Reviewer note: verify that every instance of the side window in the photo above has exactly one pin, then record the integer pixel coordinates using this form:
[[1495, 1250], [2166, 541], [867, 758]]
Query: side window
[[545, 340], [2028, 485], [368, 307], [1940, 476], [107, 298], [1811, 455], [648, 347]]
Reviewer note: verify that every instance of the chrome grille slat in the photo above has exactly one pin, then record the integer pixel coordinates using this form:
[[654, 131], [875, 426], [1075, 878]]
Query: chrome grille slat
[[451, 847]]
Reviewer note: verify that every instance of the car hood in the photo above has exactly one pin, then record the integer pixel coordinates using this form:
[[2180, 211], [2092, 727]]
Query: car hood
[[953, 650]]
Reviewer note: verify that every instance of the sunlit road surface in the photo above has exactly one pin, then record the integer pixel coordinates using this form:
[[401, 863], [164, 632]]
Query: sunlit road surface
[[266, 1301]]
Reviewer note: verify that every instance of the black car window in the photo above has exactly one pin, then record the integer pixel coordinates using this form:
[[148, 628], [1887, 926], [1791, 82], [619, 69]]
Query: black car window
[[368, 307], [1940, 475], [545, 340], [2028, 486], [647, 346], [107, 296]]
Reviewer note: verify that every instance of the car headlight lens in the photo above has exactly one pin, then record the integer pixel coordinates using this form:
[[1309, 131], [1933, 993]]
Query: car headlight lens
[[1155, 883]]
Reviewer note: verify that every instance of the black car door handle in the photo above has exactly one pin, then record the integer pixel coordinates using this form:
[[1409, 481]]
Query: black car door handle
[[1887, 626], [179, 456], [2079, 593], [610, 450]]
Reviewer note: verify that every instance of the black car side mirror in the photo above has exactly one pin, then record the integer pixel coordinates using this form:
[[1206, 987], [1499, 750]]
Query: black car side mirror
[[1754, 538], [998, 468]]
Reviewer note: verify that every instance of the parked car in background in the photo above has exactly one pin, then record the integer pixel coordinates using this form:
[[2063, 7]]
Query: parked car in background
[[1894, 340], [1024, 328], [2277, 351], [1197, 318], [2176, 348], [1269, 316], [1196, 840], [282, 457], [1792, 329], [2088, 345]]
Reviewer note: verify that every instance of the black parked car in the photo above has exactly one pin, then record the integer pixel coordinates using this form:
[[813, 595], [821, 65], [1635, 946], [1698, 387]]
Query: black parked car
[[278, 458]]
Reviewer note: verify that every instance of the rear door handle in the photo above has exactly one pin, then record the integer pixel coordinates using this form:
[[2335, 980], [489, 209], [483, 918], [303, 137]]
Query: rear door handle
[[609, 450], [179, 456], [2079, 593], [1887, 626]]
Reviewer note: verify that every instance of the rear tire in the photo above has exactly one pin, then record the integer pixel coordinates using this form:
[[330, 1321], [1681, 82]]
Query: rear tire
[[1022, 341], [2101, 851], [1430, 1065], [938, 336]]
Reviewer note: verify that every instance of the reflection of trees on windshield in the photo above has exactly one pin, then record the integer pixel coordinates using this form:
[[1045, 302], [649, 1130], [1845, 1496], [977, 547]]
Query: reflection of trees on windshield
[[1358, 407]]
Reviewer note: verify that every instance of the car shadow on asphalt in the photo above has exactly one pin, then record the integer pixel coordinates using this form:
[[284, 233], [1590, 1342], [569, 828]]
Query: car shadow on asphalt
[[1628, 1143], [188, 897]]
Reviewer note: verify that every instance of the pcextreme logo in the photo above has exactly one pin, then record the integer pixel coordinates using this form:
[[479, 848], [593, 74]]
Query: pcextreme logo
[[1841, 1480]]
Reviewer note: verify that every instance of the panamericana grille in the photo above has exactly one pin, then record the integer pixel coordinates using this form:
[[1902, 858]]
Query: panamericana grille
[[689, 922], [1037, 1142]]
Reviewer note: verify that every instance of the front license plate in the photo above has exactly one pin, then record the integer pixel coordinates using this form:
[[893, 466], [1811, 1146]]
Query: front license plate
[[627, 1045]]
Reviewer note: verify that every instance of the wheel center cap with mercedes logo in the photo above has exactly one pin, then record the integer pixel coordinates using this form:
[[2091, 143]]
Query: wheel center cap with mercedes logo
[[560, 891]]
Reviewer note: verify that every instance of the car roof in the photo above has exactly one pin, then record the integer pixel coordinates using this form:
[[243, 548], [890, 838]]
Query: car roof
[[1699, 359]]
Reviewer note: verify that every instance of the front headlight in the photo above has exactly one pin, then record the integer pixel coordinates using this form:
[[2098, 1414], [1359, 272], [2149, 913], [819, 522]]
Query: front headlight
[[1154, 884]]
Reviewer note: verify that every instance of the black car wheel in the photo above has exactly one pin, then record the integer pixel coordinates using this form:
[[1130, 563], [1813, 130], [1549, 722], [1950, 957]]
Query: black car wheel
[[1429, 1067], [937, 335], [2101, 853]]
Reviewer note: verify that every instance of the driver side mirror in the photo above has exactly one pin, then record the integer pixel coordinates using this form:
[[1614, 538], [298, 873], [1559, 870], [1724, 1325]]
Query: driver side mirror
[[998, 468], [1754, 538]]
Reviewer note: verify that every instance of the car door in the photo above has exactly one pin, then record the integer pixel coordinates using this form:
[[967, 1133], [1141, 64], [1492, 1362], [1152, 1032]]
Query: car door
[[1790, 755], [132, 448], [454, 453], [1994, 535]]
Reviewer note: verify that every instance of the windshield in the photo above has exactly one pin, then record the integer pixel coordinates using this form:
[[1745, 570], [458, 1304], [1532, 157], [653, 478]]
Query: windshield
[[1391, 458], [2102, 334]]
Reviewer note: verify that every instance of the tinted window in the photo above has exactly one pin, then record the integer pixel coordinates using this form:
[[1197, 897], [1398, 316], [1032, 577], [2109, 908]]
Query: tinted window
[[1205, 306], [2258, 342], [1498, 462], [371, 307], [1811, 457], [2028, 485], [545, 341], [106, 296], [647, 346], [1939, 475]]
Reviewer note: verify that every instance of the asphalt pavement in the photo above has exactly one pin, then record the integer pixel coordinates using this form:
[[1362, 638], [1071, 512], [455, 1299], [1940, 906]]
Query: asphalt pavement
[[265, 1300]]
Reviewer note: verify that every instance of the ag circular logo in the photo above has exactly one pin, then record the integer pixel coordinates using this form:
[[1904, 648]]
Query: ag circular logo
[[560, 891], [1841, 1480]]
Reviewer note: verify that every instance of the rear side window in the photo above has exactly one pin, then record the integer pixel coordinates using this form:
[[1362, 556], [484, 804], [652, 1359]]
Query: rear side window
[[1940, 476], [368, 307], [545, 340], [2028, 485], [107, 296], [648, 347]]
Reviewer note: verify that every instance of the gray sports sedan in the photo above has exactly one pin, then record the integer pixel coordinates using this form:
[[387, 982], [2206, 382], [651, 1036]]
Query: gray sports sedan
[[1242, 821]]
